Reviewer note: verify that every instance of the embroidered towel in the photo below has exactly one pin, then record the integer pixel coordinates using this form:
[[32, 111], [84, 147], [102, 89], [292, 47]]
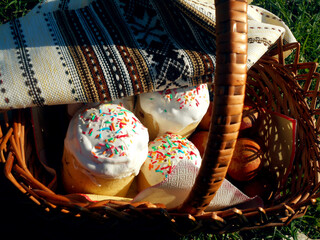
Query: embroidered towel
[[89, 51]]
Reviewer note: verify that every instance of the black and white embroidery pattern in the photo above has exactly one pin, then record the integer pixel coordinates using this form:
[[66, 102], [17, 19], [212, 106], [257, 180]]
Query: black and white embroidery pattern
[[25, 63], [99, 50]]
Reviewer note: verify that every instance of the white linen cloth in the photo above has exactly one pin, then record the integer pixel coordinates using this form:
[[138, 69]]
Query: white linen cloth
[[40, 66]]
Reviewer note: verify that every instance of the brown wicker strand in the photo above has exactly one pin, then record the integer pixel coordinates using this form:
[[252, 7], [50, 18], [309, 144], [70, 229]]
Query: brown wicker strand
[[3, 145], [17, 144], [228, 103]]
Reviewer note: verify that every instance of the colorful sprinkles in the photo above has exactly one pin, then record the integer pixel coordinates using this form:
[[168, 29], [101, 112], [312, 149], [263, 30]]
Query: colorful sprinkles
[[109, 125], [166, 151], [187, 98]]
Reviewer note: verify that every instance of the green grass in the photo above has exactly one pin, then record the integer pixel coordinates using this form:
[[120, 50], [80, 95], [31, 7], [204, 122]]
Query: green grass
[[303, 18], [14, 8]]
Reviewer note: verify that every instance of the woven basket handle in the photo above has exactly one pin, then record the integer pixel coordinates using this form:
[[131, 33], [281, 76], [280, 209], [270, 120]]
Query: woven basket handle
[[229, 91]]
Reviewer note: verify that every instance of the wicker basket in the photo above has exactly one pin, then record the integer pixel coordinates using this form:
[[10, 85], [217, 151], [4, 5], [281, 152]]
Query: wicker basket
[[269, 85]]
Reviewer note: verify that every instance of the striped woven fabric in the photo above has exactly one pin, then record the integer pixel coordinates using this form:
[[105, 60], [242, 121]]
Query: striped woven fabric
[[89, 51]]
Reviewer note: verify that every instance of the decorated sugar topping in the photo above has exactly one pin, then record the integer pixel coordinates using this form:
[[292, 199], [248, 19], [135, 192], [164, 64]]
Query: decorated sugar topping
[[175, 109], [108, 139], [188, 97], [109, 125], [165, 152]]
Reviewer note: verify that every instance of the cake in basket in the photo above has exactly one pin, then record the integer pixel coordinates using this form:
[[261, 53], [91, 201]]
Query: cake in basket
[[104, 149], [176, 111]]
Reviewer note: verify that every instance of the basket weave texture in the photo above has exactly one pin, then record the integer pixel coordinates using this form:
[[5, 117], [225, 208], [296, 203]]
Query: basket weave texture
[[270, 84]]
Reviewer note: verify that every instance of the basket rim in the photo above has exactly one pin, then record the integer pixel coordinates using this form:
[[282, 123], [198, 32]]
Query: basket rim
[[280, 213]]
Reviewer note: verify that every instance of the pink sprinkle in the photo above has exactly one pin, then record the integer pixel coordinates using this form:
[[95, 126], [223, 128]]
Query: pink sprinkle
[[164, 167], [121, 136]]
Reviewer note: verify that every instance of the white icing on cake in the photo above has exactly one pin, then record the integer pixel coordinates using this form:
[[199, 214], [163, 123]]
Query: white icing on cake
[[108, 140], [165, 153], [127, 102], [175, 109]]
